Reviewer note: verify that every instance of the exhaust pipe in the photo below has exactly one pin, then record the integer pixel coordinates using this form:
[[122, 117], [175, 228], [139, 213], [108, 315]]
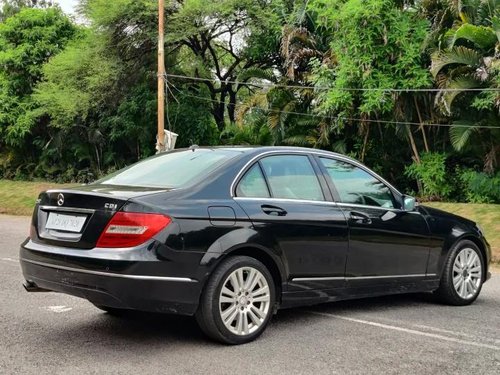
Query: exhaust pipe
[[31, 287]]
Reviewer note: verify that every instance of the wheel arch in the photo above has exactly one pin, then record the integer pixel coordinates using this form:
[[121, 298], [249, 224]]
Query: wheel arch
[[266, 259], [256, 251]]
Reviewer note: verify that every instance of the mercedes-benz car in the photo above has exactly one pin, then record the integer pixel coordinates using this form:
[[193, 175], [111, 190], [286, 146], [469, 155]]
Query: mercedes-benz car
[[233, 234]]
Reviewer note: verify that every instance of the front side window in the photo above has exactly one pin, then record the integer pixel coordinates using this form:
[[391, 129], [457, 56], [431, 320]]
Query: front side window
[[357, 186], [291, 177]]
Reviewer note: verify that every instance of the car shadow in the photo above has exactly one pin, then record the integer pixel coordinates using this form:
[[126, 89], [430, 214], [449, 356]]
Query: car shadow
[[363, 305], [141, 330]]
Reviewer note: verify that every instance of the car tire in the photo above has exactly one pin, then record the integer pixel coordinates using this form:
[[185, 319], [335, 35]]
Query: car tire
[[463, 275], [238, 301]]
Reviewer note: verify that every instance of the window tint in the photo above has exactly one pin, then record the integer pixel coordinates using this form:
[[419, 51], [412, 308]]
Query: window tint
[[253, 184], [292, 177], [171, 169], [354, 185]]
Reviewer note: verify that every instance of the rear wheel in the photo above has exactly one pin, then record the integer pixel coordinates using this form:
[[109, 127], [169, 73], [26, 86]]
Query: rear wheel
[[463, 275], [238, 301]]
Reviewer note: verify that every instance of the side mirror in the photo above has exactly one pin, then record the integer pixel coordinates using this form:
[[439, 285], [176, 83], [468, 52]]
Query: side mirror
[[409, 203]]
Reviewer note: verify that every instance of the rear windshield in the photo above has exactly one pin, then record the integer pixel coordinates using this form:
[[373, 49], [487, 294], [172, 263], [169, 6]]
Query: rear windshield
[[172, 169]]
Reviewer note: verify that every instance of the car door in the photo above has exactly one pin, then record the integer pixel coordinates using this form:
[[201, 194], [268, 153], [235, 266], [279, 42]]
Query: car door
[[386, 243], [285, 199]]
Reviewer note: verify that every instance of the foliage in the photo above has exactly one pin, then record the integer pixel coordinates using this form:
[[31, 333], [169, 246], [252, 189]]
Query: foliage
[[77, 101], [480, 187], [252, 134], [375, 44], [27, 40], [9, 8], [469, 60], [433, 175]]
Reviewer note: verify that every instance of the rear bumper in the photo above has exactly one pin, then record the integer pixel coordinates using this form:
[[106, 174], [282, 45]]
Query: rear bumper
[[100, 283]]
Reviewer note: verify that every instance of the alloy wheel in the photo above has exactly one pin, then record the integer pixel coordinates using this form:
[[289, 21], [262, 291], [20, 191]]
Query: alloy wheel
[[467, 273], [244, 301]]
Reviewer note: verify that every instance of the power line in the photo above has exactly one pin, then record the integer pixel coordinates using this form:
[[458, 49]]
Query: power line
[[278, 85], [350, 118], [353, 119]]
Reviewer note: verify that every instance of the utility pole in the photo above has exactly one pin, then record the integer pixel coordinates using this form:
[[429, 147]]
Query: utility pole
[[160, 142]]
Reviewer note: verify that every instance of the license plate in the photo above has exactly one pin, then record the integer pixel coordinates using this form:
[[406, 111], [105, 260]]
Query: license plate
[[68, 223]]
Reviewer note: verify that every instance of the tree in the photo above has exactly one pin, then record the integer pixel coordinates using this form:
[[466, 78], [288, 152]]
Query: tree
[[10, 7], [469, 60], [375, 45], [286, 107], [219, 39], [98, 96], [215, 40], [27, 40]]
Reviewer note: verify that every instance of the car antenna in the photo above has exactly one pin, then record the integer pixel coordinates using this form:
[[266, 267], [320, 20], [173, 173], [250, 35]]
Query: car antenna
[[193, 147]]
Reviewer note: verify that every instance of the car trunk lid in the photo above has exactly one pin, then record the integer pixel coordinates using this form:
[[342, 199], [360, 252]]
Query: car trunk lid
[[76, 217]]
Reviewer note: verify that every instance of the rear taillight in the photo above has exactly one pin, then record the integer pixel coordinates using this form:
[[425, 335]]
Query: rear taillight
[[127, 229]]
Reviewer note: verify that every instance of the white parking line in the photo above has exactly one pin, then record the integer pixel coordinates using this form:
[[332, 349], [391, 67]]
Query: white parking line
[[429, 328], [423, 327], [407, 330], [58, 309], [10, 260]]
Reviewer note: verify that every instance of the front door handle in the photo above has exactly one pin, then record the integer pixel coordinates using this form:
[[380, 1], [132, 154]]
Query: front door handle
[[358, 217], [273, 210]]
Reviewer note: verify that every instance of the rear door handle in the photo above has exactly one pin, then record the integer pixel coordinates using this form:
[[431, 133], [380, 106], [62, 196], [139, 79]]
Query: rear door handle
[[358, 217], [273, 210]]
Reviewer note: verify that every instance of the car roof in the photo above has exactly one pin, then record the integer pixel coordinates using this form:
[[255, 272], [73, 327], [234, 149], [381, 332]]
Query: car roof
[[255, 150]]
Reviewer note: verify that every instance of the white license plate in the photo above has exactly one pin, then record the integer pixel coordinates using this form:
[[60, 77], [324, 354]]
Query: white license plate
[[68, 223]]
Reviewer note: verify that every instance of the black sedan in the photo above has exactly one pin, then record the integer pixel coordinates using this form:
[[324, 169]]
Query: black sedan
[[233, 234]]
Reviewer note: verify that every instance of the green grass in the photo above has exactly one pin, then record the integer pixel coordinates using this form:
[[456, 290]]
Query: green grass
[[486, 215], [18, 198]]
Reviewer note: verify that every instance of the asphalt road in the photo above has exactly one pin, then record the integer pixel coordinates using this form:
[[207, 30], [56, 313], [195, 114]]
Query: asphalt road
[[52, 333]]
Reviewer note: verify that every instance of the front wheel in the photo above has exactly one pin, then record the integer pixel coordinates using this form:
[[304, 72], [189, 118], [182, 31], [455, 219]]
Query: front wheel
[[463, 275], [238, 301]]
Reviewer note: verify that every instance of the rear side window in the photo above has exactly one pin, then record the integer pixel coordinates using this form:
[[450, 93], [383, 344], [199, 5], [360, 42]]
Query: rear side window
[[172, 169], [253, 184], [357, 186], [292, 177]]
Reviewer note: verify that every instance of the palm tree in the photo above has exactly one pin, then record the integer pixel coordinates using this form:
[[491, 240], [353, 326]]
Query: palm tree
[[288, 111], [471, 60]]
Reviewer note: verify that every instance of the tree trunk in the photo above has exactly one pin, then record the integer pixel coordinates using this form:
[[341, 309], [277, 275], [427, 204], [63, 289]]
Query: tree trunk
[[98, 159], [416, 156], [365, 141], [426, 146], [231, 107], [218, 109], [413, 145]]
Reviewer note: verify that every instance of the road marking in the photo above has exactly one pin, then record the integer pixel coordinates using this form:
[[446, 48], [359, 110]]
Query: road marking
[[407, 330], [424, 327], [58, 309], [10, 260]]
